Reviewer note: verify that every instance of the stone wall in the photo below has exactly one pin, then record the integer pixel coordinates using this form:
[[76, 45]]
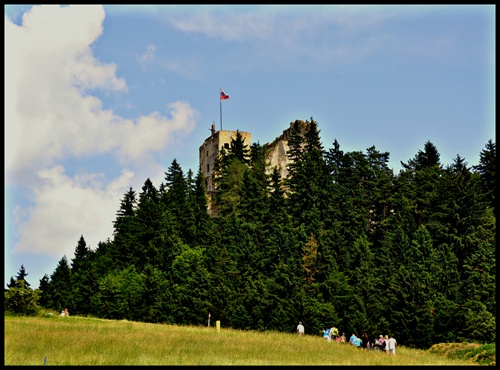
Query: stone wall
[[278, 149], [210, 149], [277, 154]]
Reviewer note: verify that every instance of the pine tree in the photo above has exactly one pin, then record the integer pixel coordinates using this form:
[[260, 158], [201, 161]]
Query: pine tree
[[254, 191], [83, 278], [487, 169], [60, 294], [125, 229], [308, 181], [13, 283], [44, 286], [422, 176], [175, 192], [20, 280], [230, 168], [202, 225], [151, 218]]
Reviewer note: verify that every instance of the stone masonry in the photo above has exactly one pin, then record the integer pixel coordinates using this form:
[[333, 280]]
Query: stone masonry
[[277, 151], [210, 149]]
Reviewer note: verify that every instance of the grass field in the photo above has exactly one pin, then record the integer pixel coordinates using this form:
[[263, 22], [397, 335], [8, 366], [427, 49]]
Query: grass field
[[56, 340]]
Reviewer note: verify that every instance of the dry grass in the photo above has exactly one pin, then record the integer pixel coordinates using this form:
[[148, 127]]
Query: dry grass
[[89, 341]]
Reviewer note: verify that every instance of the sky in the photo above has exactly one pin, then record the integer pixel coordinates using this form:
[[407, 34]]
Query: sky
[[98, 99]]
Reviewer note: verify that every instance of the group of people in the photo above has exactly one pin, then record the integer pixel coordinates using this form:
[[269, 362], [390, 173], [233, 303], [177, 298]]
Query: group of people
[[65, 312], [333, 332], [387, 344]]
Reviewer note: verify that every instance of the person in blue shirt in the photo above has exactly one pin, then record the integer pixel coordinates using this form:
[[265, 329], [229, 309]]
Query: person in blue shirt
[[326, 334], [352, 339], [358, 342]]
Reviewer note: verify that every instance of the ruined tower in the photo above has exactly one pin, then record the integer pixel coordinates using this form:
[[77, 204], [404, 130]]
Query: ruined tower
[[276, 157], [210, 149], [278, 149]]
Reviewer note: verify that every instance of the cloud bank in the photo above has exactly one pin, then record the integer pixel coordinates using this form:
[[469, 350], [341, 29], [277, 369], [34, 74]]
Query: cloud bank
[[53, 115]]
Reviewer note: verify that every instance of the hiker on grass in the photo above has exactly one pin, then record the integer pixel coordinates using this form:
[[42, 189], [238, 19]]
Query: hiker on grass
[[365, 342], [386, 344], [352, 339], [300, 328], [343, 338], [358, 342], [334, 332], [326, 334], [391, 345]]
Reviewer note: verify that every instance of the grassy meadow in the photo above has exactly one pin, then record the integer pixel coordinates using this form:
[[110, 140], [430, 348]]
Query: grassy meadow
[[56, 340]]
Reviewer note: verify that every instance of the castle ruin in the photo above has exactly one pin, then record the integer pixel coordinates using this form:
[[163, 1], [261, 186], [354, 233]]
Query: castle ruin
[[276, 157], [210, 150], [278, 149]]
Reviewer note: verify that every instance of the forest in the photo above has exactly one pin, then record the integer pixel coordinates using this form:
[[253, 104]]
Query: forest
[[341, 241]]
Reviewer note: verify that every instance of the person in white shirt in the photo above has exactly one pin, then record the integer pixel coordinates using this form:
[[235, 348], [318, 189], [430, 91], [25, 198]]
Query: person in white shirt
[[300, 329], [391, 344]]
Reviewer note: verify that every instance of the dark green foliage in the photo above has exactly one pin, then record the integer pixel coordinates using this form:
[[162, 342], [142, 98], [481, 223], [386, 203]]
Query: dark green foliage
[[120, 295], [157, 297], [487, 170], [175, 201], [20, 280], [191, 280], [21, 300], [125, 233], [230, 169], [482, 354], [341, 241], [83, 278], [479, 325], [59, 289], [44, 287]]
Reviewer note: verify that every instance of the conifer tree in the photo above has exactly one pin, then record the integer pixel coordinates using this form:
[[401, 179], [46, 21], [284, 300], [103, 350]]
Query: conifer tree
[[125, 229], [20, 280], [12, 284], [230, 167], [191, 282], [308, 181], [461, 210], [254, 192], [424, 170], [83, 279], [60, 293], [151, 226], [487, 170], [203, 228], [174, 194], [43, 286]]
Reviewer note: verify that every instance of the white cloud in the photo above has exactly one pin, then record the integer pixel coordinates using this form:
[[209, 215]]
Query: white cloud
[[148, 56], [66, 208], [318, 34], [51, 116], [285, 33]]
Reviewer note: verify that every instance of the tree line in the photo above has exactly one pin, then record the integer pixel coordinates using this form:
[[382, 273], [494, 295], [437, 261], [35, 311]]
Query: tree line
[[341, 241]]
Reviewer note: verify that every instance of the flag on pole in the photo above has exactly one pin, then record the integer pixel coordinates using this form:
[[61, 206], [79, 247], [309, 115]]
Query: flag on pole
[[223, 95]]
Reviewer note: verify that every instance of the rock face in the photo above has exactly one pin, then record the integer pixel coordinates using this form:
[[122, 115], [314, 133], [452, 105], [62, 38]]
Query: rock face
[[277, 151]]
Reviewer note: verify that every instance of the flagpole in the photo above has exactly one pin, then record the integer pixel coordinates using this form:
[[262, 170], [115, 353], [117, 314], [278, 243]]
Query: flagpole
[[222, 96]]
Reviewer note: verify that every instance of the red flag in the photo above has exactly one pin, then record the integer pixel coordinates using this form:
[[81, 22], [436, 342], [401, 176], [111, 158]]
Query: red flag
[[223, 95]]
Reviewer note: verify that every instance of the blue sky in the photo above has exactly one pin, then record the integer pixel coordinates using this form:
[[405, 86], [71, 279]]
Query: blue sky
[[100, 98]]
